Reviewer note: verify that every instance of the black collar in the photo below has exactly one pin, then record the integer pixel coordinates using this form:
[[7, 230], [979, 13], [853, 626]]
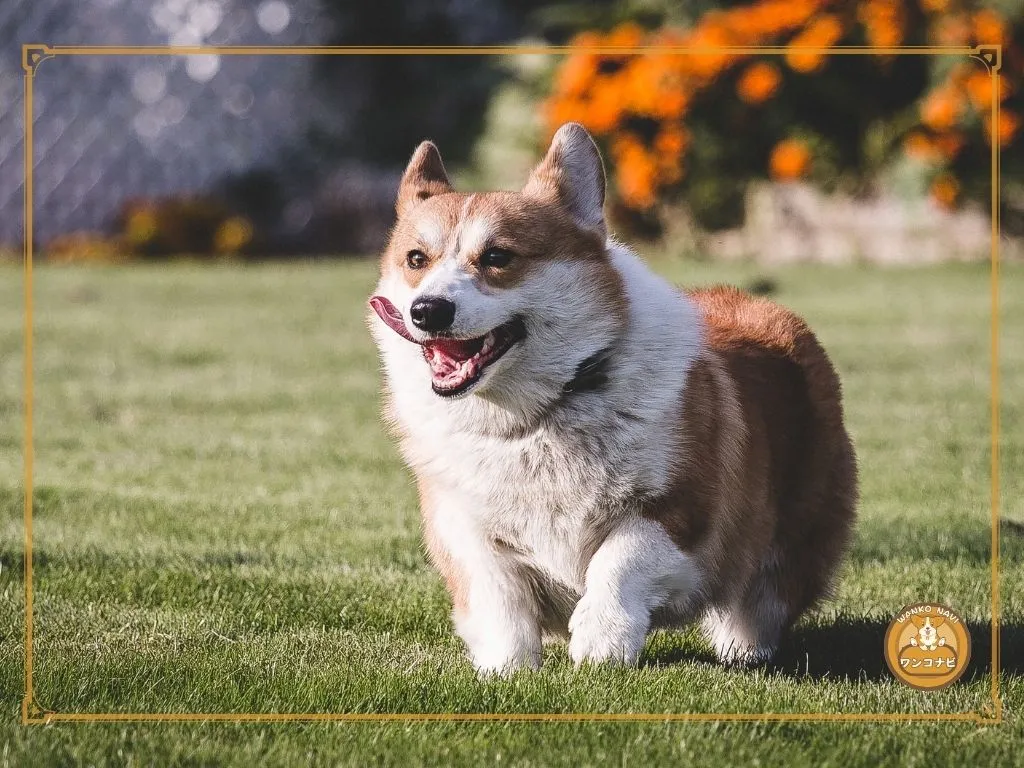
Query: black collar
[[591, 374]]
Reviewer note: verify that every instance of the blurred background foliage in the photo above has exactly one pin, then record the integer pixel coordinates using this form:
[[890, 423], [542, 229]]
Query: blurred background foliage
[[685, 136], [700, 127]]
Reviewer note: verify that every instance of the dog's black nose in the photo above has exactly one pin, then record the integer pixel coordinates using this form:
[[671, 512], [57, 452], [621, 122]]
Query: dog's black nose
[[432, 313]]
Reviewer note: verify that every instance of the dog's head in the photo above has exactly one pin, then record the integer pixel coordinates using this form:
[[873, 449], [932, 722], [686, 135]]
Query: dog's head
[[500, 294]]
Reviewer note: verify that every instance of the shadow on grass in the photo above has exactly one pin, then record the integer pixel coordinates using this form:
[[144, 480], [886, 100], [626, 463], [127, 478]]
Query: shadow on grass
[[851, 649]]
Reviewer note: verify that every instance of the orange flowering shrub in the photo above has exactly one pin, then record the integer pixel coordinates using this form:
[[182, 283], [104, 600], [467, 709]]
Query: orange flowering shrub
[[687, 115]]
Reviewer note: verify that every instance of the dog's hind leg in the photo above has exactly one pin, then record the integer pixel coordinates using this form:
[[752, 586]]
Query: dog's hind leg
[[749, 631]]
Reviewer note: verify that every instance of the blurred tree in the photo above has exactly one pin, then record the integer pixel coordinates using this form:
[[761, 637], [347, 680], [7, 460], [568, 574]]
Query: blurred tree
[[384, 105]]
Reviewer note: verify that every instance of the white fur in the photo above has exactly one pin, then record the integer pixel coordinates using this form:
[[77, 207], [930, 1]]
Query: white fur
[[536, 490], [432, 234], [747, 631], [636, 570]]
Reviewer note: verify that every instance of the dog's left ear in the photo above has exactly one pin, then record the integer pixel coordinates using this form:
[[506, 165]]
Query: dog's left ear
[[573, 175], [424, 177]]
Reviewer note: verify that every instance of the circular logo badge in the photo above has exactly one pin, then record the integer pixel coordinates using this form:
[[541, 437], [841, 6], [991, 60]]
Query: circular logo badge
[[927, 646]]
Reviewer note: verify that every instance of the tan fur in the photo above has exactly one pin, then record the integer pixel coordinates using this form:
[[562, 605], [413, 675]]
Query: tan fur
[[454, 579], [748, 470], [531, 229], [765, 462]]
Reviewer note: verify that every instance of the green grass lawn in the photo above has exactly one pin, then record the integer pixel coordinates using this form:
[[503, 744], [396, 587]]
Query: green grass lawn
[[222, 525]]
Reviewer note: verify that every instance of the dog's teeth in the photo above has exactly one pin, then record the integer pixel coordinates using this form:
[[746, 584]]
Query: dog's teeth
[[488, 344]]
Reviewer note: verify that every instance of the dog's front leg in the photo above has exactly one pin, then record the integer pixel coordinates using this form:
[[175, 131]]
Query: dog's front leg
[[635, 570], [498, 621], [494, 609]]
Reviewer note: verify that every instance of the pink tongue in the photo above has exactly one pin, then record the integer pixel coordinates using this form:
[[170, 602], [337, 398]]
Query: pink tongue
[[456, 349], [389, 313]]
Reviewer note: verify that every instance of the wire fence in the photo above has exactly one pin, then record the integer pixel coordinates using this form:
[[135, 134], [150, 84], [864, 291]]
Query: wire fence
[[108, 129]]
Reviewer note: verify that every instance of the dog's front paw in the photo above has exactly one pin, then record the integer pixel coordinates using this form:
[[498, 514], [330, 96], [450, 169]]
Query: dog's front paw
[[602, 630], [498, 650], [498, 660]]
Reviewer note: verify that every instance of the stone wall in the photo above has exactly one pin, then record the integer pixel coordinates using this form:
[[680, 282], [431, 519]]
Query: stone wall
[[795, 222]]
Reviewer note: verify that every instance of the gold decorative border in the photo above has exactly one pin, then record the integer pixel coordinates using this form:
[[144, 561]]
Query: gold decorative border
[[33, 714]]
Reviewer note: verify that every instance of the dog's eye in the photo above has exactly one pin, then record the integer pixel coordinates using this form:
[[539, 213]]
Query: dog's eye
[[416, 260], [496, 258]]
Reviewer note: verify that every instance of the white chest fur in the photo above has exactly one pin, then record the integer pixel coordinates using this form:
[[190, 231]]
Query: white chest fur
[[551, 494]]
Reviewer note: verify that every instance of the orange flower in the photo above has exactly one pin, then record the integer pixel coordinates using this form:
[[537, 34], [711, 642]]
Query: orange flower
[[560, 111], [576, 74], [989, 27], [790, 160], [628, 35], [636, 174], [759, 82], [934, 6], [671, 140], [921, 147], [652, 87], [710, 38], [952, 29], [773, 17], [604, 108], [823, 32], [669, 146], [979, 89], [945, 190], [942, 108], [1009, 124], [949, 144], [883, 22]]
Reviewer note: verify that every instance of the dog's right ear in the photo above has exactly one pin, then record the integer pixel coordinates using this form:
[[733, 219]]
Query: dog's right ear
[[424, 177]]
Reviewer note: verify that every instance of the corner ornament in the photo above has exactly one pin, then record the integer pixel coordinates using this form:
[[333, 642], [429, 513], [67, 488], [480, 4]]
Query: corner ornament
[[989, 55], [34, 55]]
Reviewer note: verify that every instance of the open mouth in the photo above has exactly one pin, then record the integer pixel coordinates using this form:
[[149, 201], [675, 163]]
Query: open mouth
[[455, 364]]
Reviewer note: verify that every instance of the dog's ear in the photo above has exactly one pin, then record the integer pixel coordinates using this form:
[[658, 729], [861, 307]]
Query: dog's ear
[[917, 621], [424, 177], [572, 174], [938, 621]]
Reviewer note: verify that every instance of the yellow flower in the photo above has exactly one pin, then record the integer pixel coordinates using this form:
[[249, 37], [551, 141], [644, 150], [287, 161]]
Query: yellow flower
[[141, 226], [233, 235]]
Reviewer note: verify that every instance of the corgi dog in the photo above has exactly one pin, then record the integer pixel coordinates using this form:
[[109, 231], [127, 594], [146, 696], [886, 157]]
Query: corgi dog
[[599, 454]]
